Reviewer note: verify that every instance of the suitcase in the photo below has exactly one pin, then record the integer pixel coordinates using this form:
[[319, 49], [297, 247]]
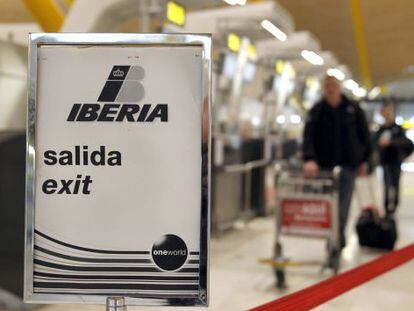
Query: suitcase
[[376, 232], [372, 229]]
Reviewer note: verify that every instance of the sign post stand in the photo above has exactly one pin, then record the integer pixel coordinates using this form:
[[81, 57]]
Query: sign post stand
[[118, 169], [115, 304]]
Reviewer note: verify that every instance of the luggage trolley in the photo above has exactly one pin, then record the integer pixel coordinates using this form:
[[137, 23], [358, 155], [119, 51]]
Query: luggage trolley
[[306, 207]]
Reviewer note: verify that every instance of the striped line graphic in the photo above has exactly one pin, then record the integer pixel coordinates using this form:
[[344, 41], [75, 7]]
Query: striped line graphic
[[105, 268], [52, 276], [64, 268], [94, 260], [133, 294], [101, 251], [116, 286]]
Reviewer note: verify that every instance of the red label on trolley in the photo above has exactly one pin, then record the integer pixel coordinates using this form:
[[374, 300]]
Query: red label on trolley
[[309, 217]]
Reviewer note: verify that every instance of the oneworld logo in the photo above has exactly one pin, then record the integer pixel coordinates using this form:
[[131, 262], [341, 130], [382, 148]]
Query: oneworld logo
[[180, 252], [118, 100], [169, 252]]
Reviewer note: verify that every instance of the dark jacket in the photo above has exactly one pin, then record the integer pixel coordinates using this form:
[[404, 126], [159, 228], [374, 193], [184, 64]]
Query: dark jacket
[[337, 136], [400, 147]]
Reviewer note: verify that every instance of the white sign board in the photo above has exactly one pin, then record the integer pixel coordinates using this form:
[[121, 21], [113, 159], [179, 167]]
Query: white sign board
[[117, 180]]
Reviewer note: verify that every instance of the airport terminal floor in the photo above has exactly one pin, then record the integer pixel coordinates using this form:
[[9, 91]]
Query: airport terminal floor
[[239, 282]]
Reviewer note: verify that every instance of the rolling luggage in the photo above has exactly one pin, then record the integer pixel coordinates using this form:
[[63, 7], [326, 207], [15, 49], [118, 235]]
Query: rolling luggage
[[372, 229]]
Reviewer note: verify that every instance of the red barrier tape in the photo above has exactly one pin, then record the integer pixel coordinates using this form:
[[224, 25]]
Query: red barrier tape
[[326, 290]]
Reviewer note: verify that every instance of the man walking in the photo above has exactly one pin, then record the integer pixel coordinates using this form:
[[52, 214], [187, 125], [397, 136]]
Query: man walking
[[393, 148], [336, 134]]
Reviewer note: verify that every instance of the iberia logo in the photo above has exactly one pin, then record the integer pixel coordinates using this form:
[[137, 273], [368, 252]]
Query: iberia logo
[[124, 85], [118, 100]]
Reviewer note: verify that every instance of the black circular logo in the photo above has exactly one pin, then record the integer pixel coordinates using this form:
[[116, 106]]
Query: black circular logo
[[169, 252]]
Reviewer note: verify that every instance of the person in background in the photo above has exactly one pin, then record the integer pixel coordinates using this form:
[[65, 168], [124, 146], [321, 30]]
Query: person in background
[[336, 134], [393, 147]]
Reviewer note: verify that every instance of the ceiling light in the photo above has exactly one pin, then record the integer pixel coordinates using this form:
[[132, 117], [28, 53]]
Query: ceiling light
[[336, 73], [312, 57], [399, 120], [351, 84], [281, 119], [274, 30], [374, 92], [360, 92], [256, 121], [295, 119], [234, 2], [231, 2]]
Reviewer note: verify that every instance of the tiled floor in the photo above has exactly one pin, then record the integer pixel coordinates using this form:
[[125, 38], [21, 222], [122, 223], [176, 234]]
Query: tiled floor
[[238, 281]]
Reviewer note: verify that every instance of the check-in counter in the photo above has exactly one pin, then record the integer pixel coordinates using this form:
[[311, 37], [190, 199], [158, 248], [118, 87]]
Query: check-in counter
[[226, 186], [227, 198], [237, 183], [253, 151]]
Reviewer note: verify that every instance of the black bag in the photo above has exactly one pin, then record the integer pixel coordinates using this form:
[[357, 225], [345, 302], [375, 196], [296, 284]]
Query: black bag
[[376, 232], [406, 149]]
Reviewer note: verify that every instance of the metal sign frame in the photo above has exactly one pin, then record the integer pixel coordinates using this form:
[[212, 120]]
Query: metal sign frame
[[94, 39]]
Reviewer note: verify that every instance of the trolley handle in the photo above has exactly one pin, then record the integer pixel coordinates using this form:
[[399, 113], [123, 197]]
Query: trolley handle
[[334, 173], [297, 182]]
